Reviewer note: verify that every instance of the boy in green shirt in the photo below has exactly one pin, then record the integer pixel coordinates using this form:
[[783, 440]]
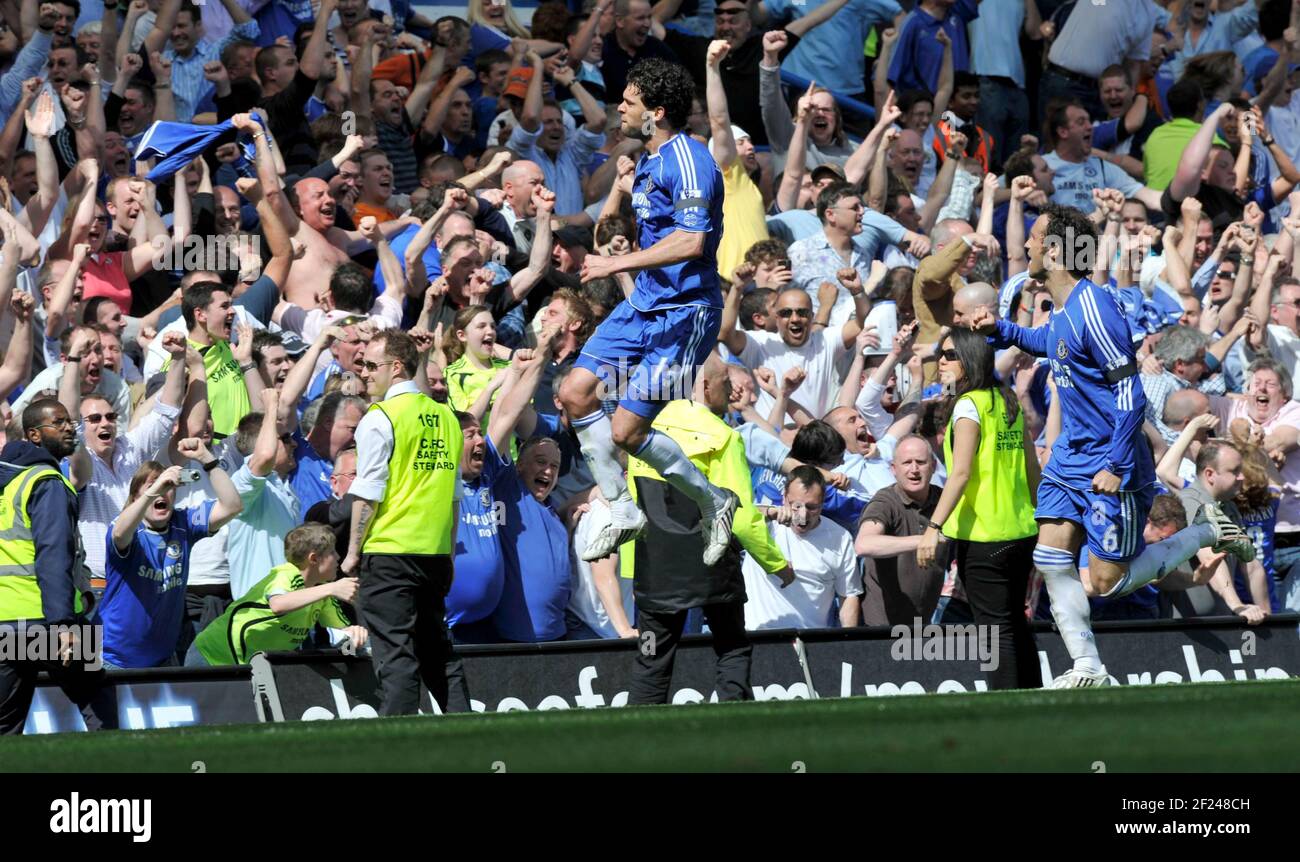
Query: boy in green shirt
[[279, 612]]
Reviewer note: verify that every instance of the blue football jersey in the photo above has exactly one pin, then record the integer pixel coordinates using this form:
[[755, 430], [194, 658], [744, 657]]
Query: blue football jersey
[[1102, 402], [678, 188]]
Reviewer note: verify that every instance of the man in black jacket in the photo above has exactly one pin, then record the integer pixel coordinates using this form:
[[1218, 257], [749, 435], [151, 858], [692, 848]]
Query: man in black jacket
[[49, 518]]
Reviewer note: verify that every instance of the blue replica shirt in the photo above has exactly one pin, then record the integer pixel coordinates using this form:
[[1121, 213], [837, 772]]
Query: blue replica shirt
[[1261, 526], [536, 547], [144, 600], [918, 55], [310, 480], [1096, 375], [843, 507], [480, 564], [678, 188]]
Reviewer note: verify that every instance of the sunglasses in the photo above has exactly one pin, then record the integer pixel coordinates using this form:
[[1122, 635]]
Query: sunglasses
[[96, 418], [375, 366], [1226, 273], [948, 355], [786, 313]]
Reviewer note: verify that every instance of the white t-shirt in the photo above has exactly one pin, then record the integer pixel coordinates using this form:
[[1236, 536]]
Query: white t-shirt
[[817, 357], [584, 600], [1283, 345], [966, 409], [824, 567], [1075, 181]]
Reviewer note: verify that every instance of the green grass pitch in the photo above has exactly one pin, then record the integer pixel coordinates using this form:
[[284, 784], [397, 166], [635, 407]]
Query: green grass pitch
[[1219, 726]]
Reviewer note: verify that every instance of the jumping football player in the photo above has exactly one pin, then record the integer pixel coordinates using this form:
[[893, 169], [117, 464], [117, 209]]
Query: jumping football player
[[651, 346], [1099, 482]]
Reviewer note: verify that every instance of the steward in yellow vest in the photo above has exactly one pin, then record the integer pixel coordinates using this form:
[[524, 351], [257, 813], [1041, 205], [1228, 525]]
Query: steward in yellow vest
[[43, 580]]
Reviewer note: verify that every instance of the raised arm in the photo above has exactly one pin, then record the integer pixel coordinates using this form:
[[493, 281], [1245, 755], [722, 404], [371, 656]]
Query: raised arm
[[17, 367], [229, 504], [162, 27], [312, 63], [859, 164], [724, 144], [1187, 179], [422, 92], [819, 15], [539, 258], [133, 515], [517, 399], [776, 113]]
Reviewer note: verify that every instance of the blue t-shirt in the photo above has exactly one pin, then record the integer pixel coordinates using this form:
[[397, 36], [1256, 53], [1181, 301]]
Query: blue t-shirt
[[482, 39], [144, 600], [480, 564], [831, 53], [310, 480], [536, 547], [919, 55], [678, 188], [843, 507], [432, 260]]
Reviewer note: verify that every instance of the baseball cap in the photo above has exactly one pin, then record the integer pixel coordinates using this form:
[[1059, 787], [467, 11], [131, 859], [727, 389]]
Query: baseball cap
[[572, 235], [517, 83], [293, 343], [819, 173]]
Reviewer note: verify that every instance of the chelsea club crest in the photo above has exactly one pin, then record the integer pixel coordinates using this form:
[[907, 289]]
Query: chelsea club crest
[[1061, 352]]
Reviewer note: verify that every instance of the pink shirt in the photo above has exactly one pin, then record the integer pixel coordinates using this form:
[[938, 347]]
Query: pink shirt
[[1228, 409], [102, 275]]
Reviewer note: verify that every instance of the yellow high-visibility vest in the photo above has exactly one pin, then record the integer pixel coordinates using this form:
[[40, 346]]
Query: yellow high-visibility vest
[[423, 478]]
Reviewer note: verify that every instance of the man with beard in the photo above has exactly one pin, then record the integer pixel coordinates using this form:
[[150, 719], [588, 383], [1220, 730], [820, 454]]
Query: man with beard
[[795, 345], [48, 586], [540, 137]]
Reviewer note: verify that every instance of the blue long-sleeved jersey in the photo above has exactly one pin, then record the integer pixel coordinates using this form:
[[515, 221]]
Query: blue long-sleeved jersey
[[1096, 375]]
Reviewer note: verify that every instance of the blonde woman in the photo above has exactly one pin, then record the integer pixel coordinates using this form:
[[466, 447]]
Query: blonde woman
[[493, 25]]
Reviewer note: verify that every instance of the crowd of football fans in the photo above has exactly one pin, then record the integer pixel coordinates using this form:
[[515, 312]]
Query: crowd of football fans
[[348, 169]]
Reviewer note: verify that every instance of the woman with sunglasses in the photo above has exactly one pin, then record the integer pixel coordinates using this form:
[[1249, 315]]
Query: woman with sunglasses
[[987, 505]]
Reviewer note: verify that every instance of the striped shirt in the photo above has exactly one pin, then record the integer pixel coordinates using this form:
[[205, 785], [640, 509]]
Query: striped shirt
[[188, 83], [104, 496]]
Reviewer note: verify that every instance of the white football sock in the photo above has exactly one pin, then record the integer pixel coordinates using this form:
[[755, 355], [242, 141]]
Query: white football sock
[[662, 453], [596, 435], [1162, 558], [1069, 606]]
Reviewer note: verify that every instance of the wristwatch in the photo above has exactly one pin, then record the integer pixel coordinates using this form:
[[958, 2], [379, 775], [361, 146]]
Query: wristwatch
[[1267, 143], [212, 465], [935, 526]]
